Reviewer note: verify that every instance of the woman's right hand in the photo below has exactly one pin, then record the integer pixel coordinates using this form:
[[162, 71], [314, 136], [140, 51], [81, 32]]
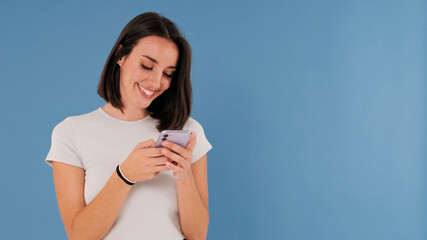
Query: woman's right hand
[[144, 162]]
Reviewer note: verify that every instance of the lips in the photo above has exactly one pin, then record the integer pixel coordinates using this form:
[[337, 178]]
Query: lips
[[145, 92]]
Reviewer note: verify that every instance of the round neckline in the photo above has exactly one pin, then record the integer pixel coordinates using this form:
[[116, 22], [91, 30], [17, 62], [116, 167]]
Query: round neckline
[[100, 110]]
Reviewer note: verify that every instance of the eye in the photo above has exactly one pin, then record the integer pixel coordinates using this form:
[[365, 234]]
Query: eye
[[168, 75], [147, 68]]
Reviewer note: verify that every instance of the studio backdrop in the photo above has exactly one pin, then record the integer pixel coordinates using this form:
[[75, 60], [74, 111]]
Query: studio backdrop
[[316, 111]]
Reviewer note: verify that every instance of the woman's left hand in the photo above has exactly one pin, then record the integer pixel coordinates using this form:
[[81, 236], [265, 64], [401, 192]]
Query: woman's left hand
[[182, 156]]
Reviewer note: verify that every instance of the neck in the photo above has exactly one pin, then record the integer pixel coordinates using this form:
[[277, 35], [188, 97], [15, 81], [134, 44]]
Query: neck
[[127, 115]]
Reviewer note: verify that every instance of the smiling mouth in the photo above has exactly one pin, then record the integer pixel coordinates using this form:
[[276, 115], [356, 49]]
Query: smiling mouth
[[145, 92]]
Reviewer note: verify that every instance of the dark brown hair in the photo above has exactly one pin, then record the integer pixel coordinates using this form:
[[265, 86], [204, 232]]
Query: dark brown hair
[[173, 107]]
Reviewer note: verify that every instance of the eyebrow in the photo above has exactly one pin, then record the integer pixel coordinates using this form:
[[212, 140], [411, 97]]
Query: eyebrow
[[155, 61]]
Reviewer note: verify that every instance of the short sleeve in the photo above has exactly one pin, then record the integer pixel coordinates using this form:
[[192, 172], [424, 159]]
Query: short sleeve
[[202, 144], [63, 147]]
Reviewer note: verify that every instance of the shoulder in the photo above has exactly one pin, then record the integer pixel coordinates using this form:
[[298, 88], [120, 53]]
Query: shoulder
[[202, 144], [81, 119], [193, 125], [196, 127], [69, 123], [90, 116]]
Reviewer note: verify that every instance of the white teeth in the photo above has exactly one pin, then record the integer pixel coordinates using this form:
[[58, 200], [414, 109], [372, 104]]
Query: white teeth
[[145, 90]]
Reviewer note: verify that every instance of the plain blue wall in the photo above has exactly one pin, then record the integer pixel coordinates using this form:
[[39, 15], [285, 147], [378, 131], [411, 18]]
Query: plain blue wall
[[316, 111]]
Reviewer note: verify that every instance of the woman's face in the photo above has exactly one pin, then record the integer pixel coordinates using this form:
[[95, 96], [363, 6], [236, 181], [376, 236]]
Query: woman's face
[[147, 71]]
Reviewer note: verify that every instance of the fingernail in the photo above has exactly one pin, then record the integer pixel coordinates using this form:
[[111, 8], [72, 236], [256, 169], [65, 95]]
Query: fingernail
[[164, 151], [165, 143]]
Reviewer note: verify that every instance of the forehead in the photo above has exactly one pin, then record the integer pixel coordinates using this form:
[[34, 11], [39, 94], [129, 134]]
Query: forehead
[[161, 49]]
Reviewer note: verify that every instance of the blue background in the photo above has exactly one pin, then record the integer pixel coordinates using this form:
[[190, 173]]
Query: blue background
[[316, 111]]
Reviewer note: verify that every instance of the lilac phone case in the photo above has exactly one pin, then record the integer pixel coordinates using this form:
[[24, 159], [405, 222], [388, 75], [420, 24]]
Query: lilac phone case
[[180, 137]]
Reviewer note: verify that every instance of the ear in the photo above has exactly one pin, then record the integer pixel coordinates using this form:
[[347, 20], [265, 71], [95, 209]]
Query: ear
[[119, 62]]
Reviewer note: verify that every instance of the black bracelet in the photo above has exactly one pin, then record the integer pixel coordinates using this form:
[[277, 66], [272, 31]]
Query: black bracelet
[[123, 177]]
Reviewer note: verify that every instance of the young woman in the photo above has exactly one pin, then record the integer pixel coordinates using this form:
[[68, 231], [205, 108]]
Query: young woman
[[110, 180]]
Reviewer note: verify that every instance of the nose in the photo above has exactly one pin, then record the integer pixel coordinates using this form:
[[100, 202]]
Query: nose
[[155, 79]]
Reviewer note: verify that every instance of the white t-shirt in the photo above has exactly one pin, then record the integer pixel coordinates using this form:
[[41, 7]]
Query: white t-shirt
[[98, 142]]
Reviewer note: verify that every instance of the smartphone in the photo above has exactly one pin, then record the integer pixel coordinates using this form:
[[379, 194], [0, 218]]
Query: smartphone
[[180, 137]]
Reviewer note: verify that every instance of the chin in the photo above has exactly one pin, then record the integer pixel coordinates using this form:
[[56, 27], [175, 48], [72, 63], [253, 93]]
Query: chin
[[144, 103], [144, 106]]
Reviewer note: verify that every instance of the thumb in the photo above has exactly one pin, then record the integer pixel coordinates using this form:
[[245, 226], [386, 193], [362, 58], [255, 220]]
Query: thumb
[[146, 144]]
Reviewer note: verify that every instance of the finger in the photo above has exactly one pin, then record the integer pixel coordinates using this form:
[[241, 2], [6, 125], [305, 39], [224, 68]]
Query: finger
[[175, 157], [192, 142], [175, 169], [159, 161], [161, 168], [174, 147], [152, 152], [150, 143]]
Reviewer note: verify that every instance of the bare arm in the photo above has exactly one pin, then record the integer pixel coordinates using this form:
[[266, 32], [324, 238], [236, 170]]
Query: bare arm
[[193, 202], [192, 187], [94, 220]]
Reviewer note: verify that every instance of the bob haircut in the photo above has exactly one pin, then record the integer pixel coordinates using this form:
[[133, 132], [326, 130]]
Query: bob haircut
[[173, 107]]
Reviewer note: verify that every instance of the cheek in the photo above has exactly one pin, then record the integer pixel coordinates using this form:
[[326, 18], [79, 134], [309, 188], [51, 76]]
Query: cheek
[[137, 73], [166, 84], [132, 73]]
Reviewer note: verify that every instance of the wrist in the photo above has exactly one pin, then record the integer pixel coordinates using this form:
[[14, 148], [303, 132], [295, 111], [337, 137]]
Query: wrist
[[126, 171], [187, 181], [125, 179]]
